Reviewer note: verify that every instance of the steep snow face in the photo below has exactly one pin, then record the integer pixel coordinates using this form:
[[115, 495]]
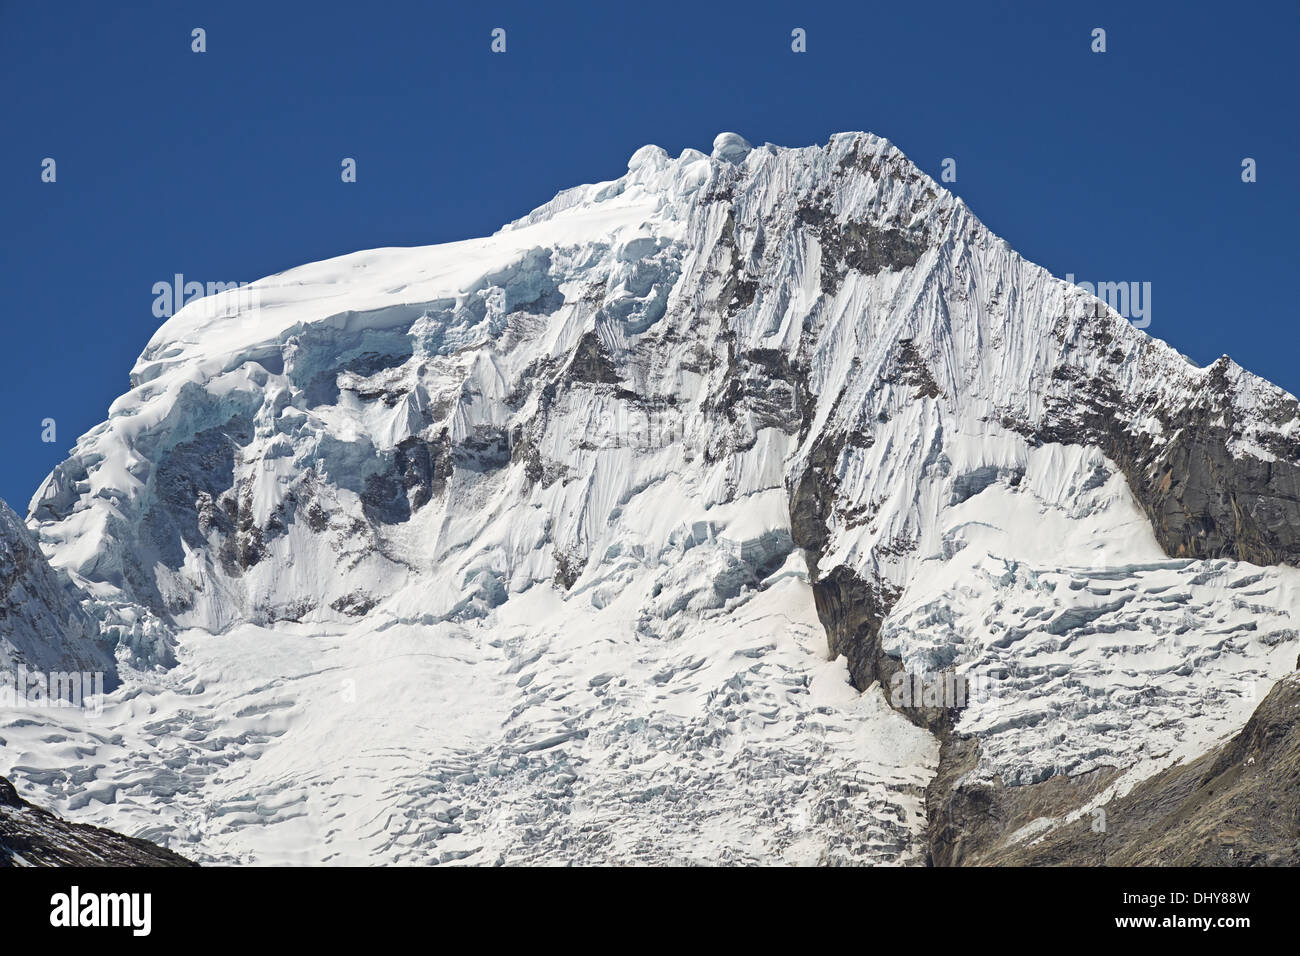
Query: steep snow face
[[43, 627], [619, 427], [700, 328]]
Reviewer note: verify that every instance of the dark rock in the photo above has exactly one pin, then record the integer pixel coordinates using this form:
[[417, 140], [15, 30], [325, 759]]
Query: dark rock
[[424, 467], [35, 837], [486, 448], [1238, 805], [591, 364], [567, 570], [911, 370], [863, 247], [1201, 500], [356, 604]]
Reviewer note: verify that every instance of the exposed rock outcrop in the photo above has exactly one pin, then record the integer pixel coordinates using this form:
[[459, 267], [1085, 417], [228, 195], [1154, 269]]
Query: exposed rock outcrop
[[43, 626], [31, 836], [1238, 805]]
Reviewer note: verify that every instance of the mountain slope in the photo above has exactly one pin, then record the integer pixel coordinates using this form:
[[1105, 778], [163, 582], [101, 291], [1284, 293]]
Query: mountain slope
[[541, 533], [43, 627], [30, 836], [1234, 806]]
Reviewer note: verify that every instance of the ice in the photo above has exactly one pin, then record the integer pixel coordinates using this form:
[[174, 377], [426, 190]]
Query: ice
[[555, 733], [730, 147], [484, 551]]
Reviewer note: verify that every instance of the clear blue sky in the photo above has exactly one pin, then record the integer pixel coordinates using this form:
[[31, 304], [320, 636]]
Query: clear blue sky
[[224, 166]]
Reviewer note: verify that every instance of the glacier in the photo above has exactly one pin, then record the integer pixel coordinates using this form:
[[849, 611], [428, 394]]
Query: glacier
[[603, 538]]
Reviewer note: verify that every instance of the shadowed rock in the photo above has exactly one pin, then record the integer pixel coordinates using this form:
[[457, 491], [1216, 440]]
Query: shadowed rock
[[1238, 805], [30, 836]]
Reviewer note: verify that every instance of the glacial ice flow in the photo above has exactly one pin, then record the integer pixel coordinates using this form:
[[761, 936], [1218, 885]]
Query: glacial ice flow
[[483, 551]]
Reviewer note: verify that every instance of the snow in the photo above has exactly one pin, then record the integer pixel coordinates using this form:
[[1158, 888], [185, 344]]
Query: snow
[[730, 147], [43, 628], [555, 733], [1095, 649], [578, 628]]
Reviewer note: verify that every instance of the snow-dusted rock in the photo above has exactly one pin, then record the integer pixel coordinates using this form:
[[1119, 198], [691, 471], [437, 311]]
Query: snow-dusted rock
[[43, 626]]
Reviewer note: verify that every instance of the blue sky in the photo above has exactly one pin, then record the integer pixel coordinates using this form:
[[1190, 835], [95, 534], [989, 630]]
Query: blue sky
[[224, 166]]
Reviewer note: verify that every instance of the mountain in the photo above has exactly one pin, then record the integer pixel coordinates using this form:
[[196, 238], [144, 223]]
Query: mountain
[[43, 627], [1234, 806], [30, 836], [756, 506]]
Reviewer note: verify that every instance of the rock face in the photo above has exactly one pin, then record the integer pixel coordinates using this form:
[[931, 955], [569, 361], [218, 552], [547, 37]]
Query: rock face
[[30, 836], [1238, 805], [604, 473], [43, 627], [1203, 498]]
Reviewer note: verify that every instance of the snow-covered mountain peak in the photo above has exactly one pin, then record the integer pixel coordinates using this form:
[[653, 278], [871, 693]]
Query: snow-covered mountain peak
[[883, 307], [625, 468]]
